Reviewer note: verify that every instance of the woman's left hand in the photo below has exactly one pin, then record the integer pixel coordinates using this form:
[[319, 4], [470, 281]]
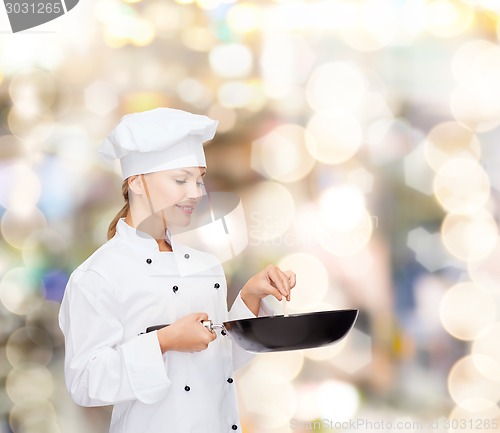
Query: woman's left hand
[[270, 281]]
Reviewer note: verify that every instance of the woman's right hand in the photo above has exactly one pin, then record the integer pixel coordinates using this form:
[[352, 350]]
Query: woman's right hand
[[186, 334]]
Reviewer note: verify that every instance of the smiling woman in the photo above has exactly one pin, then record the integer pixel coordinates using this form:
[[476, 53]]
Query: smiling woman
[[178, 378], [168, 195]]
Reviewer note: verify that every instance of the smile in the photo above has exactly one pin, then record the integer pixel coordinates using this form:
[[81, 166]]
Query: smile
[[186, 209]]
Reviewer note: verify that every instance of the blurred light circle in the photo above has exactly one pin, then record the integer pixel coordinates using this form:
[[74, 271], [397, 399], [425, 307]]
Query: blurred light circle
[[38, 136], [486, 346], [467, 385], [16, 227], [269, 397], [235, 94], [244, 17], [312, 280], [143, 32], [464, 63], [39, 423], [307, 407], [21, 188], [45, 249], [447, 18], [449, 140], [23, 419], [476, 101], [101, 98], [483, 76], [20, 291], [227, 117], [284, 364], [194, 92], [231, 60], [123, 25], [344, 227], [198, 38], [486, 272], [282, 154], [356, 352], [5, 365], [361, 178], [478, 111], [489, 5], [28, 344], [333, 140], [30, 386], [270, 209], [474, 416], [336, 88], [337, 401], [12, 151], [471, 236], [22, 125], [46, 317], [345, 242], [342, 206], [209, 4], [465, 310], [372, 25], [292, 103], [72, 145], [461, 185], [325, 353], [391, 139], [32, 91], [164, 16], [277, 64]]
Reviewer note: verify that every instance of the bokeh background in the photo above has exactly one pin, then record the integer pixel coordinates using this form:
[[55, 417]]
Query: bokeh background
[[362, 137]]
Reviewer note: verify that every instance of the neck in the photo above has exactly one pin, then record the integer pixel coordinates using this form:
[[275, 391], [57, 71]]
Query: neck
[[155, 230], [163, 245]]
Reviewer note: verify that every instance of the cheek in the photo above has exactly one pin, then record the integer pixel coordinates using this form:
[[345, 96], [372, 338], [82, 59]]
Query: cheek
[[167, 197]]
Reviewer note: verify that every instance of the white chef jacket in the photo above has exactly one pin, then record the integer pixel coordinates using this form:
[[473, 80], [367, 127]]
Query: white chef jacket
[[111, 298]]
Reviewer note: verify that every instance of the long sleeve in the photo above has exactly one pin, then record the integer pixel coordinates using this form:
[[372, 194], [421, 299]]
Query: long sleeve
[[239, 310], [100, 368]]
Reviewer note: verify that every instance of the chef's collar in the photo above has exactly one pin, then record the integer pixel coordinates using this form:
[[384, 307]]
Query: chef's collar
[[141, 240], [188, 261]]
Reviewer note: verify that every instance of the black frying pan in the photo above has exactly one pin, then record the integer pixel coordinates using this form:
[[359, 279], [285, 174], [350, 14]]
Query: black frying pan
[[292, 332]]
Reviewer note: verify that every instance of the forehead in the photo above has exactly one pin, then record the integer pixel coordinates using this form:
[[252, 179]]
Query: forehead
[[190, 171]]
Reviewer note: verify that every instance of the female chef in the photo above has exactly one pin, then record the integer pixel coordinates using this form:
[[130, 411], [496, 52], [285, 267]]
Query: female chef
[[178, 379]]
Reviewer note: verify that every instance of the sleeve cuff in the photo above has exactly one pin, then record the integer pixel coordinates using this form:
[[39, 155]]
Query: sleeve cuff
[[265, 309], [239, 309], [146, 368]]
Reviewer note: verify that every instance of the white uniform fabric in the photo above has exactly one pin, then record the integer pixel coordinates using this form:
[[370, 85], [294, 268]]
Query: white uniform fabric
[[120, 290], [159, 139]]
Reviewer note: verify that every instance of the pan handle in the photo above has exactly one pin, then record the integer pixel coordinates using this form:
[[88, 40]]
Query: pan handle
[[206, 323], [212, 326]]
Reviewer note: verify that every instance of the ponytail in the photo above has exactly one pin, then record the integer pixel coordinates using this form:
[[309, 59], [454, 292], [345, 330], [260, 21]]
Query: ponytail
[[122, 213]]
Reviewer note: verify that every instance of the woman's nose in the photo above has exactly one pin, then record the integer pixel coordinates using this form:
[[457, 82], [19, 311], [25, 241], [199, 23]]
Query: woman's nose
[[195, 190]]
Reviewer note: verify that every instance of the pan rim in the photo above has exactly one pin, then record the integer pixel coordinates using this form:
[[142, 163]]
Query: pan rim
[[296, 315]]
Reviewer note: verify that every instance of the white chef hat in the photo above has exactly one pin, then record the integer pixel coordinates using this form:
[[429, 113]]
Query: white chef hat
[[159, 139]]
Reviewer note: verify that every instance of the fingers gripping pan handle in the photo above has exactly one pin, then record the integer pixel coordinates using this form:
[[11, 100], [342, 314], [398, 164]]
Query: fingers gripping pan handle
[[206, 323], [212, 326]]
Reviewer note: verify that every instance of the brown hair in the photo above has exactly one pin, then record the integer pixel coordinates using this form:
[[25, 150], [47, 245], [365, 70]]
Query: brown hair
[[123, 211]]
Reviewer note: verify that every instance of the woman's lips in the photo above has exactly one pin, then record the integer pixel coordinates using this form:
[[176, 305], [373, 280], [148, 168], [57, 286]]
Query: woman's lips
[[186, 209]]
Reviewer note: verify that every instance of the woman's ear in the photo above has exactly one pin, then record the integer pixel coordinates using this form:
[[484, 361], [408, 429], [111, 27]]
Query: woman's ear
[[135, 184]]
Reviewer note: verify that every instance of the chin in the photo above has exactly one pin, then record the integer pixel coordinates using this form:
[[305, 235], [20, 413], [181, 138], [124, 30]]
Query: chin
[[181, 222]]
